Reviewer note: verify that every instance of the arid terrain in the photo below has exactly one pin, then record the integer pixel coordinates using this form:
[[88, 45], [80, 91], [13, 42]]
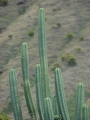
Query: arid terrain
[[62, 17]]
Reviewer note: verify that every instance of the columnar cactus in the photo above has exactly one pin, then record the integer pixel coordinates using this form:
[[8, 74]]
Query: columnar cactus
[[38, 91], [14, 95], [85, 114], [43, 54], [63, 111], [55, 106], [48, 109], [79, 101], [27, 88]]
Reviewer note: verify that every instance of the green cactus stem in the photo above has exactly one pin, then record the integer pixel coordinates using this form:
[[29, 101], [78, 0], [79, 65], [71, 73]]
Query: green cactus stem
[[85, 114], [38, 91], [48, 110], [14, 95], [61, 101], [55, 106], [43, 54], [79, 101], [25, 73]]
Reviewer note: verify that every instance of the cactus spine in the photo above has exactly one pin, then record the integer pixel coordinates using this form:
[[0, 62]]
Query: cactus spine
[[27, 89], [14, 95], [63, 111], [79, 101]]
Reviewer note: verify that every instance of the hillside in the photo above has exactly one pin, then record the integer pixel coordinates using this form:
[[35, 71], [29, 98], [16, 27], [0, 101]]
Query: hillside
[[62, 17]]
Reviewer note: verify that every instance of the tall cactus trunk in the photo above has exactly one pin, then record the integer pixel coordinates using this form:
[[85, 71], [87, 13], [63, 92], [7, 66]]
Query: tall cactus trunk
[[48, 110], [43, 55], [85, 114], [27, 88], [79, 101], [63, 111], [38, 91], [55, 106], [14, 95]]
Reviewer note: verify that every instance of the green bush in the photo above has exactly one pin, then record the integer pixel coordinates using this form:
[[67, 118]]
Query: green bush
[[58, 25], [3, 116], [71, 60], [55, 65], [3, 2], [31, 33], [10, 36], [63, 58], [81, 38], [78, 49], [70, 35], [54, 9]]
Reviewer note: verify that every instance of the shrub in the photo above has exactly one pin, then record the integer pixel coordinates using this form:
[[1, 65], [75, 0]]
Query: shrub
[[22, 10], [3, 116], [3, 2], [70, 35], [71, 60], [81, 38], [54, 9], [63, 58], [78, 49], [10, 36], [58, 25], [55, 65], [31, 33]]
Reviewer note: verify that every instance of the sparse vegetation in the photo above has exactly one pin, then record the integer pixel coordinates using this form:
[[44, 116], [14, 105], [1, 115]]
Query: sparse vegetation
[[31, 33], [58, 25], [57, 38], [22, 10], [78, 49], [63, 58], [3, 2], [70, 59], [39, 5], [55, 65], [81, 38], [54, 9], [10, 36], [70, 35], [3, 116]]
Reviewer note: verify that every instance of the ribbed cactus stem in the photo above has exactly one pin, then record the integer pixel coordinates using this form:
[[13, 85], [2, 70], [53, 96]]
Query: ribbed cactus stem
[[79, 101], [55, 106], [25, 73], [43, 54], [38, 91], [63, 111], [85, 114], [48, 110], [14, 95]]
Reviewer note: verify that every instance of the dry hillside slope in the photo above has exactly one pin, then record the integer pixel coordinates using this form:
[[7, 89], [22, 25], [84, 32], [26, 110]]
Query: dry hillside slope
[[62, 17]]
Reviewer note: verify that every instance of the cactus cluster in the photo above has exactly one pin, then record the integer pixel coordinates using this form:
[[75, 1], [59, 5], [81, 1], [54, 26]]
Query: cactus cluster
[[48, 107]]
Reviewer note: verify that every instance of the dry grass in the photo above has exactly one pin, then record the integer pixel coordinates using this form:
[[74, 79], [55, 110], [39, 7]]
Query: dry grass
[[73, 16]]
